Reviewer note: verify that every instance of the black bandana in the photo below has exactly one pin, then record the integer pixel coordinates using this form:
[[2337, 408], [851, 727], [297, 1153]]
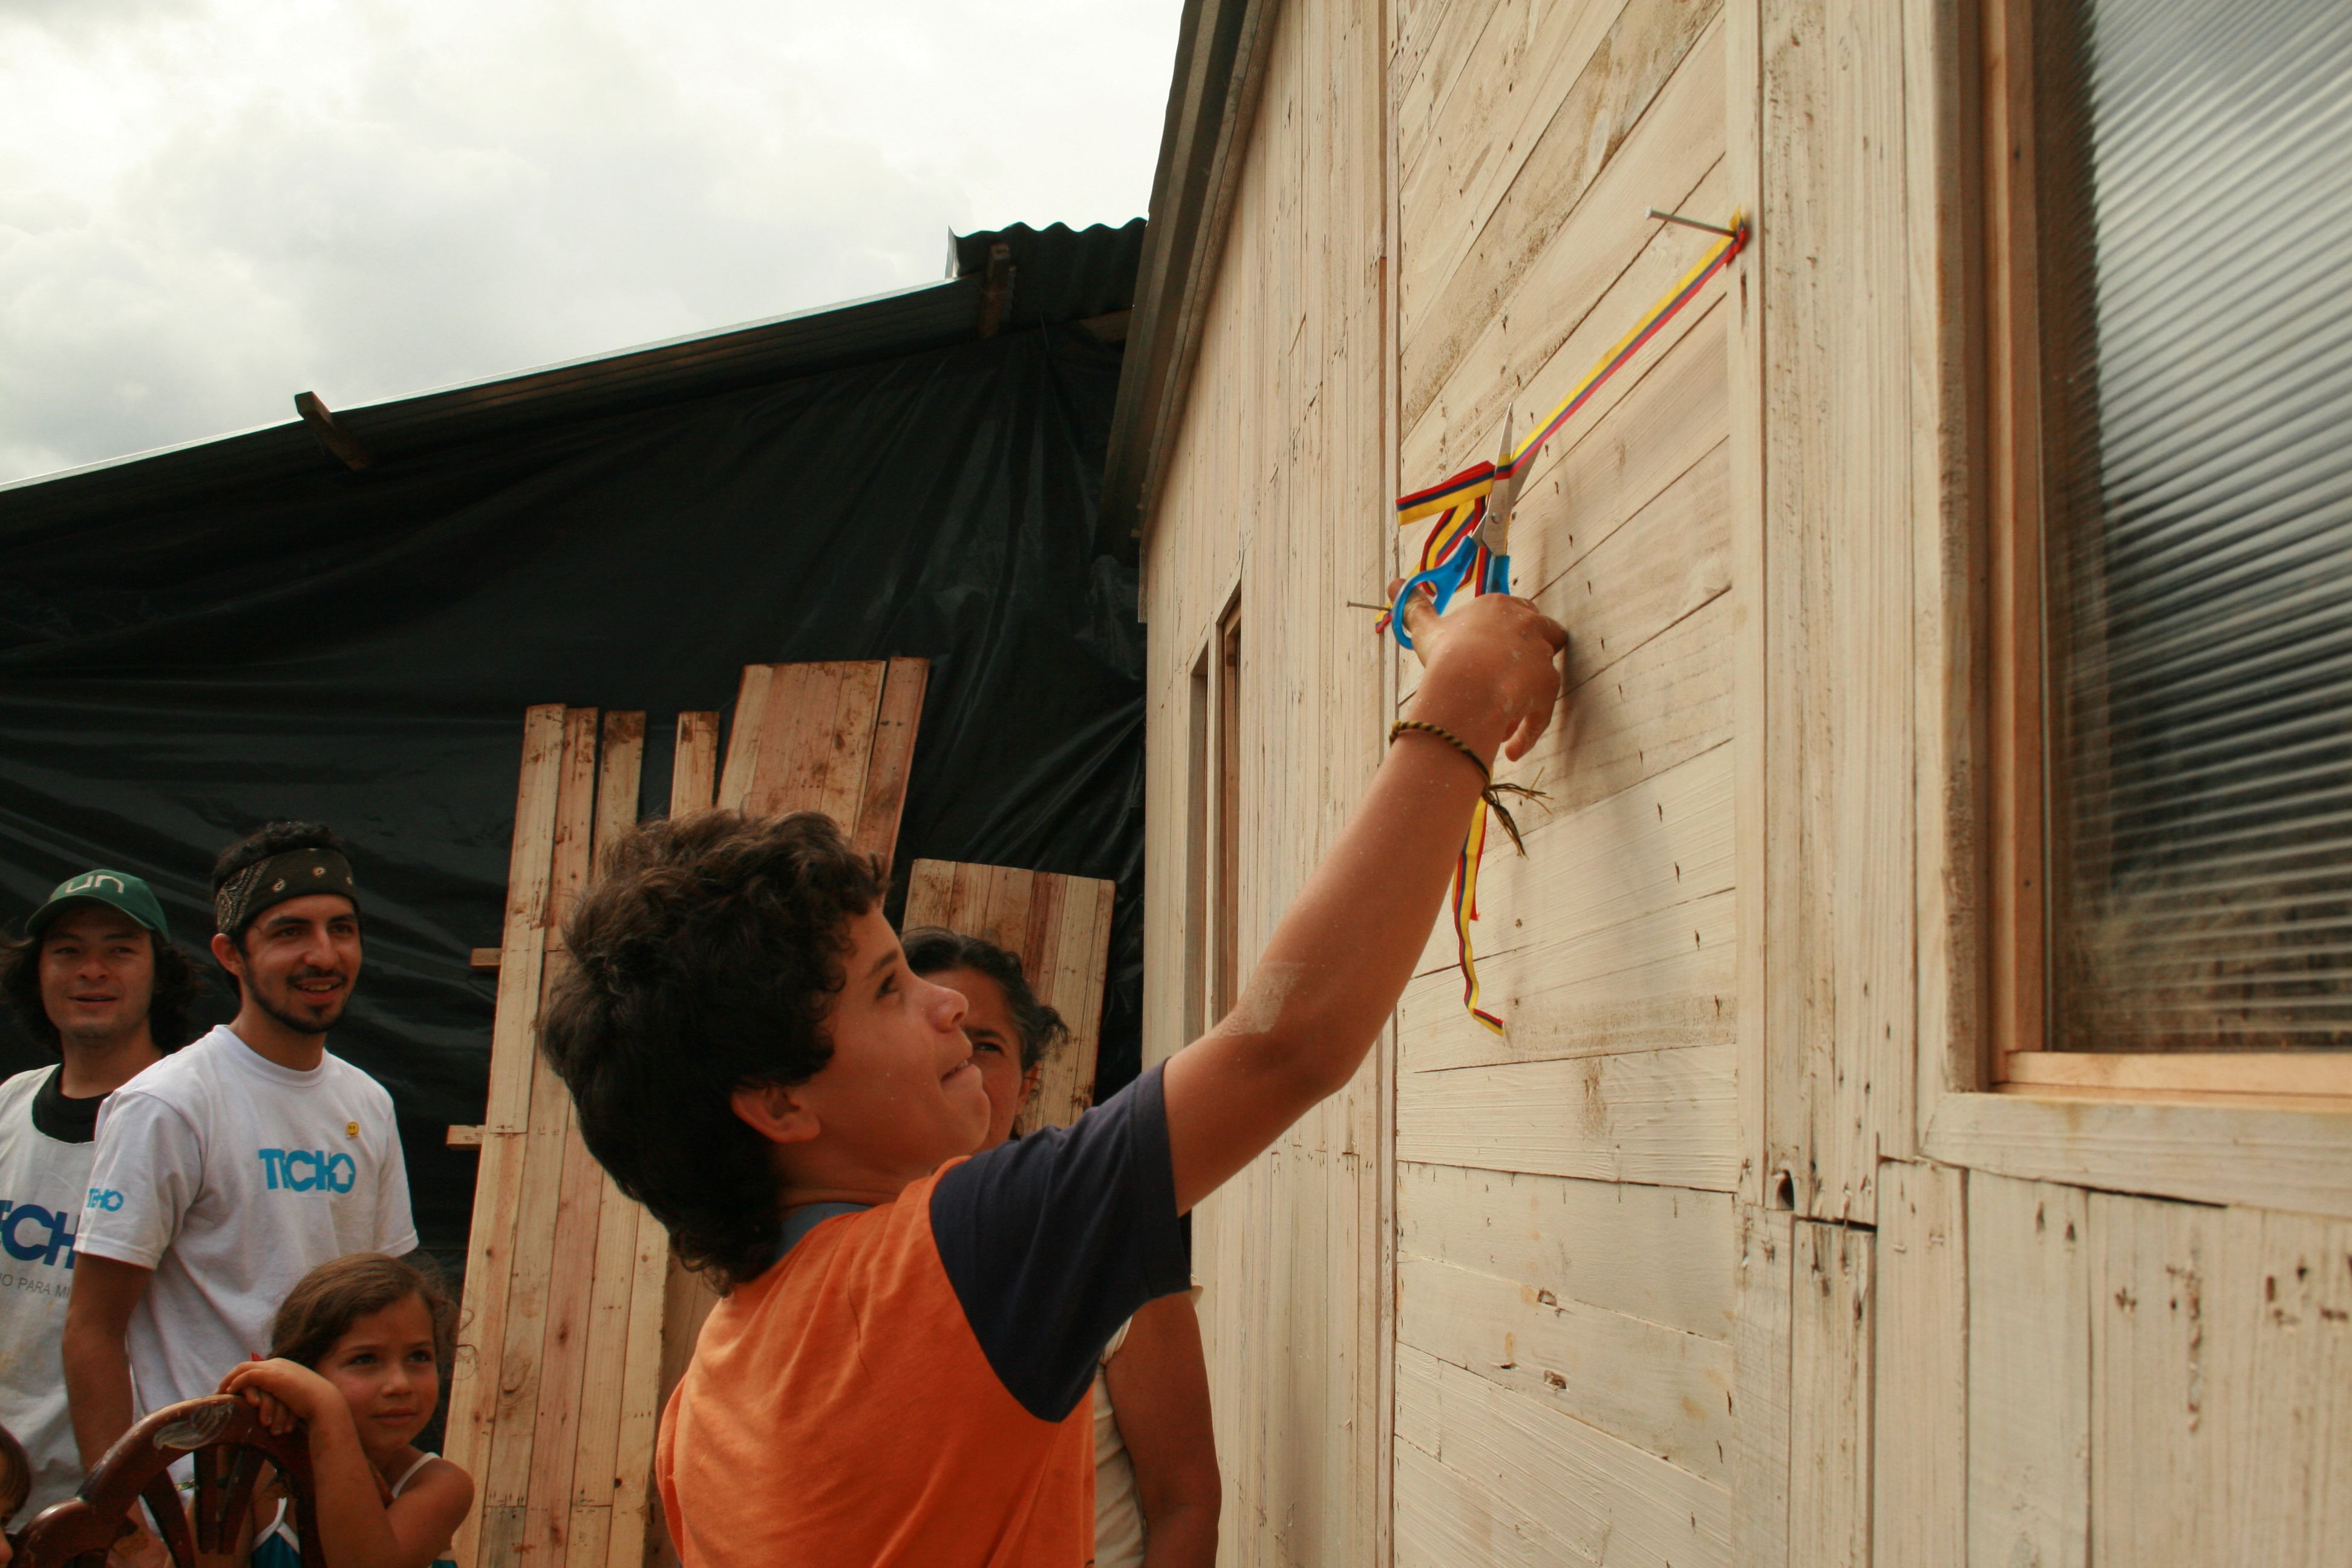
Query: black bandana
[[296, 874]]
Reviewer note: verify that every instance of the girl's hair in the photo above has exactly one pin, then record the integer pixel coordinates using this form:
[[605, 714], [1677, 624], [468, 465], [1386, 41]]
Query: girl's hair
[[935, 950], [325, 1303], [15, 1475]]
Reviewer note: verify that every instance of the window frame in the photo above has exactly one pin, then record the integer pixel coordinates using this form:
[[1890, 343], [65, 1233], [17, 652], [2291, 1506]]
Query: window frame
[[2165, 1124], [2019, 712]]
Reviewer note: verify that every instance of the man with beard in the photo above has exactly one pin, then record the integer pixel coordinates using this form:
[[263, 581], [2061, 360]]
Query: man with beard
[[96, 980], [230, 1170]]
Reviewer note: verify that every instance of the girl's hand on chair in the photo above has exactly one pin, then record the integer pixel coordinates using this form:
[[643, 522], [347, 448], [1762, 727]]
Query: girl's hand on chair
[[282, 1391]]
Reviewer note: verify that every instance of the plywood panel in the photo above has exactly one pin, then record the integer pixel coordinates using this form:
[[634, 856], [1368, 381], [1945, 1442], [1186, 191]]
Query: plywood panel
[[1059, 928], [1665, 1118], [1919, 1506], [1663, 1254], [2029, 1373], [1516, 1470]]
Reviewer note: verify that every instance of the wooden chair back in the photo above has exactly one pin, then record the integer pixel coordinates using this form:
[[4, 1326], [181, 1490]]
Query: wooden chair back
[[229, 1444]]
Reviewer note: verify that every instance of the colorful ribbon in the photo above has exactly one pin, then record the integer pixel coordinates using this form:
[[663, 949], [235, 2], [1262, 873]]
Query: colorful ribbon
[[1454, 557]]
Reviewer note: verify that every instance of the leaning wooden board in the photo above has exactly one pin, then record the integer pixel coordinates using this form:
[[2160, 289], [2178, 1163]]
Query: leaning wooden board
[[575, 1312], [1060, 928]]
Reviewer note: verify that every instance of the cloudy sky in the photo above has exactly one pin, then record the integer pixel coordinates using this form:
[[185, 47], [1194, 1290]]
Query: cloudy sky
[[207, 205]]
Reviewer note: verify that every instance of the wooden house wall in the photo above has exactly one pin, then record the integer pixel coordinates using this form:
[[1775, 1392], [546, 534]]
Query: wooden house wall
[[1715, 1259], [1274, 492]]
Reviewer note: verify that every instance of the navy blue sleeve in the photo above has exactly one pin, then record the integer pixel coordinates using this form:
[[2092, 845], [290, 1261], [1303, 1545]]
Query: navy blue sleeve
[[1053, 1240]]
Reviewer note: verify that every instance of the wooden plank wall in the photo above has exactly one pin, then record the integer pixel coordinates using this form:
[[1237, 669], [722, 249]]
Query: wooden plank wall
[[1276, 485], [1670, 1280], [1567, 1245], [1059, 927]]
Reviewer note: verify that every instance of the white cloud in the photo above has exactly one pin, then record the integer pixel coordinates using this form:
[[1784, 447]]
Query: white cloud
[[206, 205]]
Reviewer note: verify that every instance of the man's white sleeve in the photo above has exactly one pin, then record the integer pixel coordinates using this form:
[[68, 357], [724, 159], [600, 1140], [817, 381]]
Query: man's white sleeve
[[144, 1174], [395, 1226]]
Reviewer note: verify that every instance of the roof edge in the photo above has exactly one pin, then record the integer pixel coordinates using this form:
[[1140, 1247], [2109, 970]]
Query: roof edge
[[1212, 99]]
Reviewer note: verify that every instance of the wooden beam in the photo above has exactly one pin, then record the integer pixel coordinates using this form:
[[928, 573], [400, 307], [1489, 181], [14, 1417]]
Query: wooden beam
[[340, 443]]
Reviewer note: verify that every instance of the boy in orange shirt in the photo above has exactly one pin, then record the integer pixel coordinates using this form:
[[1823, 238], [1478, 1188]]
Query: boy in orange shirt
[[899, 1373]]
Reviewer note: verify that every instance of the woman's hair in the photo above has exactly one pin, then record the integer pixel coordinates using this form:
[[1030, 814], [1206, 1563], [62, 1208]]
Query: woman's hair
[[934, 949], [704, 960], [178, 983], [326, 1302]]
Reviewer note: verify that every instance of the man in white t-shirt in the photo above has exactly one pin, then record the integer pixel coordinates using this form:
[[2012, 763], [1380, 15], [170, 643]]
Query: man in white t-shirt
[[228, 1171], [96, 980]]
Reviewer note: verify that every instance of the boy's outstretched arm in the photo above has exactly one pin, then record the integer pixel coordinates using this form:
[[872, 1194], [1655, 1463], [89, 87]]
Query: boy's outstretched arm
[[1337, 963]]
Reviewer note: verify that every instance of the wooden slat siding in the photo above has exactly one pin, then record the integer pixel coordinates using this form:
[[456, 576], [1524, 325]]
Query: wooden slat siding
[[1444, 1518], [2281, 1320], [1761, 1370], [1920, 1501], [694, 764], [1665, 1118], [788, 723], [674, 1298], [817, 739], [504, 1482], [583, 1505], [1660, 843], [1660, 1389], [1653, 983], [2029, 1375], [751, 719], [1663, 1253], [1059, 928], [1293, 337], [635, 1513], [2158, 1355], [1597, 274], [1604, 1499], [897, 719], [1657, 419], [1472, 256], [858, 707], [1743, 168], [499, 1173], [1832, 1331]]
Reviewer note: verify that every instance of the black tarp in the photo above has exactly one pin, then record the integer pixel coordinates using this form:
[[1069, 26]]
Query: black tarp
[[359, 647]]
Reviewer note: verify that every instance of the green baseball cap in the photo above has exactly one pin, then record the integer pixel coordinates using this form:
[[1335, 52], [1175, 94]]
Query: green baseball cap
[[116, 890]]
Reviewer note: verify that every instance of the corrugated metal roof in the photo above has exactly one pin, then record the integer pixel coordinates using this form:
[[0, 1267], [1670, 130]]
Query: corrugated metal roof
[[1063, 274]]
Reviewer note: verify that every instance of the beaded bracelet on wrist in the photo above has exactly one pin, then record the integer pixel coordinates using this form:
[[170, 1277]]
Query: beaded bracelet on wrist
[[1492, 793]]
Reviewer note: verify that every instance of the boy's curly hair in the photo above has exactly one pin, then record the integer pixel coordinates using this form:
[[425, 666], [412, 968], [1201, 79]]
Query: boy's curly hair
[[703, 960]]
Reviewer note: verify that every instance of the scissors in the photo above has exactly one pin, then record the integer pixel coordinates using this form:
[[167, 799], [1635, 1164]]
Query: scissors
[[1494, 531]]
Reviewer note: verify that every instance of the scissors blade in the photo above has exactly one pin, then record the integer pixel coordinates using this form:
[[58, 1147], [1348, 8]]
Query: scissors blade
[[1494, 532]]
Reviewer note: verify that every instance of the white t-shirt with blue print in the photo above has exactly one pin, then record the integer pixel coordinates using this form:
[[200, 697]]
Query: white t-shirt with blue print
[[232, 1177], [42, 1180]]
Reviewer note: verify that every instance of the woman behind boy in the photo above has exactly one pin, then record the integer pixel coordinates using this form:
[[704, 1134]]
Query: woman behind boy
[[356, 1353], [1157, 1490]]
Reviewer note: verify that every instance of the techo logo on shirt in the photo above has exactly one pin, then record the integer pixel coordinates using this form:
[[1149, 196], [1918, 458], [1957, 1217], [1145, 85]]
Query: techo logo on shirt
[[31, 1233], [310, 1170]]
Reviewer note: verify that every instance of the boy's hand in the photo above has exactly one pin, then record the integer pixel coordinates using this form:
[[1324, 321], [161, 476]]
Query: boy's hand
[[1491, 669]]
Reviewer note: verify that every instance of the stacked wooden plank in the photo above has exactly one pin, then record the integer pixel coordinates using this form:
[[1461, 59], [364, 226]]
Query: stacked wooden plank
[[576, 1316], [551, 1402], [1059, 927]]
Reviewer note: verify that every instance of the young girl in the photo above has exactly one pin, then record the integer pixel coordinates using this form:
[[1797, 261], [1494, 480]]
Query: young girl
[[356, 1353]]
